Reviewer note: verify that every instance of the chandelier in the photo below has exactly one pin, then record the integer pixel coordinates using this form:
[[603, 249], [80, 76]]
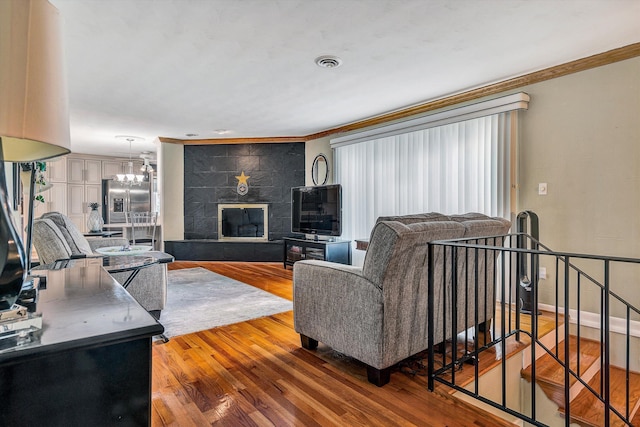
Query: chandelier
[[146, 167], [129, 178]]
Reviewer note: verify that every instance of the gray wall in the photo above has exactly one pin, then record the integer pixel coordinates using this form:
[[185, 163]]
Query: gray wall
[[581, 136], [210, 178]]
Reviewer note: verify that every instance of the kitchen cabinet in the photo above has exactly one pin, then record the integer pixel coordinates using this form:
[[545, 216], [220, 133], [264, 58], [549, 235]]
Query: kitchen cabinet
[[84, 171], [56, 170], [79, 196], [112, 168], [90, 365]]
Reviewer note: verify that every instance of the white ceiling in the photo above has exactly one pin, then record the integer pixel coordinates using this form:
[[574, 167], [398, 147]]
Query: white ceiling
[[166, 68]]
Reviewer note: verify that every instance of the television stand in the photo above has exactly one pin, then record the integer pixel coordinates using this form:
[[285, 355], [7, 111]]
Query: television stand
[[333, 250]]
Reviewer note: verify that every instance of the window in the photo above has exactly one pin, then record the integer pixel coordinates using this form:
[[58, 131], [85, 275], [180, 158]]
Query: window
[[450, 166]]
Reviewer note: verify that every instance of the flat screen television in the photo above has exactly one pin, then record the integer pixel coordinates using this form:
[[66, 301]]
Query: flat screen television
[[317, 210]]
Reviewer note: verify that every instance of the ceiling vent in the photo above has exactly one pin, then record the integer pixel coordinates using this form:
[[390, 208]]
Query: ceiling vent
[[328, 61]]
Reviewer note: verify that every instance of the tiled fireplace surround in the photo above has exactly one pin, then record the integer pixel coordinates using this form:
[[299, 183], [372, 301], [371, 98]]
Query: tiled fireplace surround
[[210, 178]]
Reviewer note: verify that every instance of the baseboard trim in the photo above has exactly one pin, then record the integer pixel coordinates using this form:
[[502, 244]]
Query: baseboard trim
[[592, 320]]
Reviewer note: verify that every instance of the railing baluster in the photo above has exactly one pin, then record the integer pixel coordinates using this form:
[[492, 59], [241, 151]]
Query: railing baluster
[[454, 315], [513, 288], [567, 399], [503, 347], [628, 358], [465, 296], [602, 333], [476, 289], [518, 288], [578, 317], [452, 268], [430, 319], [558, 304], [534, 310], [605, 374]]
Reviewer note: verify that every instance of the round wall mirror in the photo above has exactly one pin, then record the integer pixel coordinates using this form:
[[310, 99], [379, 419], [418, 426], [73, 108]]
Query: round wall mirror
[[320, 170]]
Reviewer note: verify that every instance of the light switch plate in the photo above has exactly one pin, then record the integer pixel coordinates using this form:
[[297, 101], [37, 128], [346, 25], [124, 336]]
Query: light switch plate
[[542, 189]]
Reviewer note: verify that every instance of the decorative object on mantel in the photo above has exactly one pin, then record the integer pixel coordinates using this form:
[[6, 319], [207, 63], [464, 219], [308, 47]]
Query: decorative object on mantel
[[243, 185], [34, 124], [129, 178], [94, 222]]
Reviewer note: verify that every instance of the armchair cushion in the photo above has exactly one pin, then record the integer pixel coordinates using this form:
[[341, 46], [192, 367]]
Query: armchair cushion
[[76, 241], [101, 242], [49, 242]]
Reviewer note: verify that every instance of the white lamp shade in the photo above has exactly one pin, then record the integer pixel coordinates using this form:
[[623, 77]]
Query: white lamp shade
[[34, 111]]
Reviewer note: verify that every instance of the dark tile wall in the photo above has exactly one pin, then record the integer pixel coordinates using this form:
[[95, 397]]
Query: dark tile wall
[[210, 178]]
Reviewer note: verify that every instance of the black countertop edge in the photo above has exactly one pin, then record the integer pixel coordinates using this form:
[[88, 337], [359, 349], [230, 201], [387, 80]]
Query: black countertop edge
[[35, 351]]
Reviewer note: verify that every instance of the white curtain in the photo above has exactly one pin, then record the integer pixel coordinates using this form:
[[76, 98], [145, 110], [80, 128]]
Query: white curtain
[[455, 168]]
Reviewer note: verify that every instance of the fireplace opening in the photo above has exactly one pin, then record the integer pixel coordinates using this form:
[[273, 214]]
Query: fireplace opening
[[243, 222]]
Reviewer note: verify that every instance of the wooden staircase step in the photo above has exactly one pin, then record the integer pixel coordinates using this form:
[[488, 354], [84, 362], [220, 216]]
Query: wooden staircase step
[[550, 374], [588, 410]]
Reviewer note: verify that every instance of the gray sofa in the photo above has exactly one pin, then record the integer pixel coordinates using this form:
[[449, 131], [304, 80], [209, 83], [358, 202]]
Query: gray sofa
[[377, 314], [56, 237]]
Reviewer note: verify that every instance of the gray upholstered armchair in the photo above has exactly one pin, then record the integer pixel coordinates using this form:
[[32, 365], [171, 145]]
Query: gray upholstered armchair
[[56, 237], [377, 314]]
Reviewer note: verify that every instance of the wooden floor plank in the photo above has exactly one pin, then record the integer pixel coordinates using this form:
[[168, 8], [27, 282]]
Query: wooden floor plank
[[256, 373]]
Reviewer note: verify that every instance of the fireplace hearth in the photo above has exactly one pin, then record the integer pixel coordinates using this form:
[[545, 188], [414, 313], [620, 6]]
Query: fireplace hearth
[[243, 222]]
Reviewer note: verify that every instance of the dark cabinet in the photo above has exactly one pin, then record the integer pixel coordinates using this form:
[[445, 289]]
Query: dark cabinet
[[335, 250], [90, 365]]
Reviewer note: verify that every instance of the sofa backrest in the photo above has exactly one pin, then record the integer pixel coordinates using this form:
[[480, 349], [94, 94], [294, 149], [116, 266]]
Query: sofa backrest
[[413, 218], [397, 251], [74, 238], [49, 242], [469, 216], [476, 281], [396, 261], [485, 227], [435, 216]]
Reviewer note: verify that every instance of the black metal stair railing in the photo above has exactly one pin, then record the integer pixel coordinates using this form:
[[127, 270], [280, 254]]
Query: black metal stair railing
[[465, 275]]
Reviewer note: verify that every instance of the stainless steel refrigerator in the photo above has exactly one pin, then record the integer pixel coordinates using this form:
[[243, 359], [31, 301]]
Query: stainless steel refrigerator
[[118, 198]]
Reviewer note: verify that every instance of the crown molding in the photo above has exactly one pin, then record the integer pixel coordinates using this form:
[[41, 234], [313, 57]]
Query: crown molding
[[217, 141], [583, 64], [594, 61]]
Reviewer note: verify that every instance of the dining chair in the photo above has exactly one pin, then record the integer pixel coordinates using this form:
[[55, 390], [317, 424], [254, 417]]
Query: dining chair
[[143, 227]]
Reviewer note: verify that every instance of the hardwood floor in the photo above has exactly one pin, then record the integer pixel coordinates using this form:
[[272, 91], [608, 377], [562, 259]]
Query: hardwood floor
[[255, 373]]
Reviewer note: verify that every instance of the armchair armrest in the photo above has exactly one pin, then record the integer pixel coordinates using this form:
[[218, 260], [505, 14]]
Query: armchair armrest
[[328, 277], [105, 242], [334, 304]]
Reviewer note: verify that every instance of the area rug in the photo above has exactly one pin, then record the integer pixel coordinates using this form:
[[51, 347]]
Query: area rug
[[199, 299]]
